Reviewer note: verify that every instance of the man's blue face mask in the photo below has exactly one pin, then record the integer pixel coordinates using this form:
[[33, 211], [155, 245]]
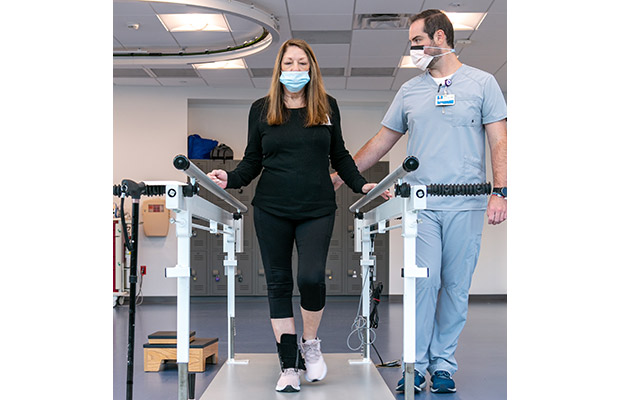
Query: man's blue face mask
[[294, 81]]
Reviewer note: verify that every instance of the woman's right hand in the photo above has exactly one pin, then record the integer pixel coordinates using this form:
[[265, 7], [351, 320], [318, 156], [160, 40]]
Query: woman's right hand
[[220, 177]]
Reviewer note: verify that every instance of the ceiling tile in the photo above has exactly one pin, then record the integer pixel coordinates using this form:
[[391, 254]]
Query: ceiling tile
[[495, 22], [261, 72], [262, 83], [130, 73], [334, 83], [276, 7], [330, 50], [379, 43], [462, 35], [232, 83], [502, 78], [320, 6], [324, 37], [226, 77], [136, 82], [487, 43], [123, 9], [264, 59], [331, 55], [369, 83], [172, 8], [325, 22], [180, 73], [185, 82], [333, 62], [387, 61], [403, 75], [499, 6], [150, 33], [489, 63], [388, 6], [374, 71], [332, 72], [460, 6]]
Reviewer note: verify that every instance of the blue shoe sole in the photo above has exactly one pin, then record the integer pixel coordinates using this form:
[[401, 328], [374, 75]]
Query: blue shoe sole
[[443, 389], [417, 389]]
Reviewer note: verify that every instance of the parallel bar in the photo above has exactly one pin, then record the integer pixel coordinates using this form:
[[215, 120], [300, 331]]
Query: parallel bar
[[184, 164], [410, 164]]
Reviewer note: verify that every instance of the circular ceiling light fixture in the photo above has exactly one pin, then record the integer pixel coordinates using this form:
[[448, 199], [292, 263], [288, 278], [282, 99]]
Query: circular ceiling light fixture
[[267, 33]]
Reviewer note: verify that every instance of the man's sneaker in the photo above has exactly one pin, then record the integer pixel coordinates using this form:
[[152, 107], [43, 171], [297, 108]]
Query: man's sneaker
[[316, 369], [419, 383], [442, 382], [289, 380]]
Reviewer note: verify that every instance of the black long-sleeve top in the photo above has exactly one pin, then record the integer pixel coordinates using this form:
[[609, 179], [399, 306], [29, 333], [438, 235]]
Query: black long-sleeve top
[[294, 161]]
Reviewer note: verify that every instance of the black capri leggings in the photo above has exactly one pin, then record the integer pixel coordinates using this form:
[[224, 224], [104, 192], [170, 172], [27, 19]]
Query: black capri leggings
[[275, 238]]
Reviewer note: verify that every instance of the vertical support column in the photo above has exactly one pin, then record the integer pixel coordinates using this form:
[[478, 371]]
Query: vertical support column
[[366, 262], [410, 272], [363, 244], [182, 273], [230, 267]]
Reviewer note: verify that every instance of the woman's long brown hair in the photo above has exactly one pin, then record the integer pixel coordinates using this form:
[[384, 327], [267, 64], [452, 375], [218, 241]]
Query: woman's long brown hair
[[317, 106]]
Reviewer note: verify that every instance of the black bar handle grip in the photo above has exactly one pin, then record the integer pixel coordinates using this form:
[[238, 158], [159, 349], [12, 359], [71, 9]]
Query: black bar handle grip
[[411, 164], [135, 190], [181, 162]]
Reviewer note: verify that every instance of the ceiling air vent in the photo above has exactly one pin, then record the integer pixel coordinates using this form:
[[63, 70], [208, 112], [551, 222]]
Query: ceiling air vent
[[174, 72], [381, 21], [130, 73]]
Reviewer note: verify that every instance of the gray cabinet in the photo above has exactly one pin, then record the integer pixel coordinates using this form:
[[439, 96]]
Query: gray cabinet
[[342, 275]]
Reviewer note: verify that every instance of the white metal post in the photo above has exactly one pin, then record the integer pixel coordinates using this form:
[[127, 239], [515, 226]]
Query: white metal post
[[231, 234], [411, 271], [182, 273], [366, 262]]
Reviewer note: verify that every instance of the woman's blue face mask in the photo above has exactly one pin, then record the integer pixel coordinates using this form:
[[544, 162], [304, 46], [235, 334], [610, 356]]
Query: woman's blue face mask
[[294, 81]]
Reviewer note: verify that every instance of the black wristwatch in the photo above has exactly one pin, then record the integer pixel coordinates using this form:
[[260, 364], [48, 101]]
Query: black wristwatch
[[500, 191]]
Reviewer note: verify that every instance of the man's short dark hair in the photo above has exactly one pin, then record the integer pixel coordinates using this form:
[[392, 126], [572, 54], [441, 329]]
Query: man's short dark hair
[[435, 20]]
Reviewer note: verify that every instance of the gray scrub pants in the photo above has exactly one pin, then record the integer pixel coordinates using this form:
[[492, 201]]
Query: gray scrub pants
[[448, 244]]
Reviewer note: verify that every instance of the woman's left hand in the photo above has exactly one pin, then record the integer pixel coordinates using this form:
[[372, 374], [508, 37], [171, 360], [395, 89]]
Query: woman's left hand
[[369, 186]]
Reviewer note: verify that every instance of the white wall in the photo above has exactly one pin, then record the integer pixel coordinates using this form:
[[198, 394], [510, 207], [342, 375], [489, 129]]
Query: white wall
[[151, 127]]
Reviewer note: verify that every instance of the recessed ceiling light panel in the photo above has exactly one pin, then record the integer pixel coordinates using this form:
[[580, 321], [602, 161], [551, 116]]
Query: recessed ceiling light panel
[[193, 22], [213, 18], [466, 21], [230, 64]]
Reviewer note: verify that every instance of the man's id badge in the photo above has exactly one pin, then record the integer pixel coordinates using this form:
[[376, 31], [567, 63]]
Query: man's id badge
[[445, 100]]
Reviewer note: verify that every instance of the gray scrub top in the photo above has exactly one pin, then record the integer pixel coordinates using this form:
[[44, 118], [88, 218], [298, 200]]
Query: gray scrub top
[[450, 144]]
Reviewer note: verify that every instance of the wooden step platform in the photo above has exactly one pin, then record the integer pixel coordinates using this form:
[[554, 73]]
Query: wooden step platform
[[167, 337], [201, 351]]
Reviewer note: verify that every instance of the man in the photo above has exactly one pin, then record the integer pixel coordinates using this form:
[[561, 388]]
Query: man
[[446, 111]]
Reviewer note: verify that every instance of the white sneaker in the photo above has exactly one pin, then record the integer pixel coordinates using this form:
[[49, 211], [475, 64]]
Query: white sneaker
[[289, 380], [316, 369]]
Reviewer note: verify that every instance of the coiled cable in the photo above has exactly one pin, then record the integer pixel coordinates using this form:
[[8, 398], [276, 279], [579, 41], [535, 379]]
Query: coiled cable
[[359, 325]]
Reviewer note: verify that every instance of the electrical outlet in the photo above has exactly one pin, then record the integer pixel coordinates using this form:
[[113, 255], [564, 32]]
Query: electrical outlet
[[143, 270]]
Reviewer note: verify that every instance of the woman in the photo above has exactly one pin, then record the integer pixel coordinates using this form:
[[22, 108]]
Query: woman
[[294, 132]]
